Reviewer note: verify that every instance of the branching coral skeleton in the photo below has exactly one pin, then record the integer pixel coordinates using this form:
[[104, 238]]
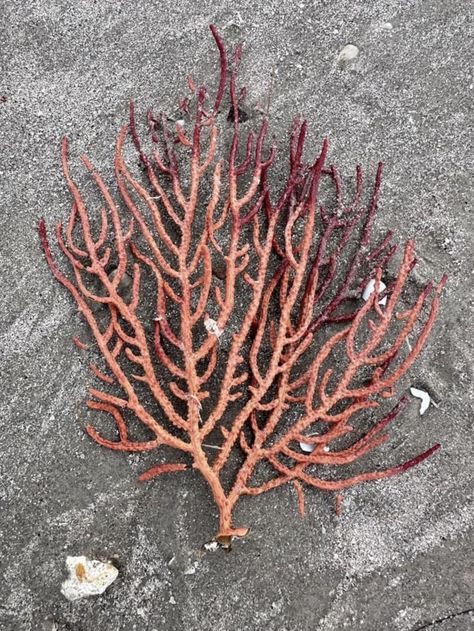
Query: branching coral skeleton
[[289, 255]]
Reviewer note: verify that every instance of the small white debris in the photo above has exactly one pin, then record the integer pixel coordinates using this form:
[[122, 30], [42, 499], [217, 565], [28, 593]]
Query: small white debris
[[157, 318], [307, 447], [190, 570], [172, 600], [212, 546], [370, 288], [348, 53], [211, 327], [326, 448], [425, 399], [87, 577], [180, 122], [387, 26]]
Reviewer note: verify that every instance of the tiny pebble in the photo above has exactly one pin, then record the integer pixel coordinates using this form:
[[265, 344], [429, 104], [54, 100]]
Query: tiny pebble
[[348, 53]]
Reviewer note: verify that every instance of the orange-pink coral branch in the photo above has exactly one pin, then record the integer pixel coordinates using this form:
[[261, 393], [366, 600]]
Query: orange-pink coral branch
[[225, 286]]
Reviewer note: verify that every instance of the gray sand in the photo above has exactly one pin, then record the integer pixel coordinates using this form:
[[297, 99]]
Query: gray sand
[[400, 556]]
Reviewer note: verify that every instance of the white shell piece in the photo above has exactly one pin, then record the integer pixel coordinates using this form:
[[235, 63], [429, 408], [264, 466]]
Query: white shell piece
[[211, 546], [211, 327], [307, 447], [425, 399], [190, 570], [348, 53], [370, 288], [87, 577]]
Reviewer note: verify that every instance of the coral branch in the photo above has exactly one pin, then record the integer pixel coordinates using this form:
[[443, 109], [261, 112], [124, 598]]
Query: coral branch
[[209, 283], [159, 469]]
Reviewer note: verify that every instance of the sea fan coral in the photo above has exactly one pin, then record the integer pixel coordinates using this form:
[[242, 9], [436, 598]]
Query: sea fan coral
[[228, 311]]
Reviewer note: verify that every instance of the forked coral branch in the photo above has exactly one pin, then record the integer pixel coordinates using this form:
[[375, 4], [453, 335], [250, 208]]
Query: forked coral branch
[[239, 290]]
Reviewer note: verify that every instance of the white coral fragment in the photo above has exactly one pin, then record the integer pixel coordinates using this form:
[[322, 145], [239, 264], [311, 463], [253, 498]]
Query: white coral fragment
[[425, 399], [87, 577], [307, 447], [370, 288], [211, 327]]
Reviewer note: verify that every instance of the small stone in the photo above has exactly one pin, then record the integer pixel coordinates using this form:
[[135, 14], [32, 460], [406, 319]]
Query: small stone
[[348, 53]]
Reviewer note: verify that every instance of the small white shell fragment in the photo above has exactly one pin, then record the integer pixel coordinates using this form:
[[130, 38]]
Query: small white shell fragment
[[190, 570], [87, 577], [425, 399], [211, 327], [307, 447], [387, 26], [211, 546], [370, 288], [180, 122], [348, 53]]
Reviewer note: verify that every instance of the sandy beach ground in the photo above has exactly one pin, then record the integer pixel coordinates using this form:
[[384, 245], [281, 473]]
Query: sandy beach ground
[[399, 558]]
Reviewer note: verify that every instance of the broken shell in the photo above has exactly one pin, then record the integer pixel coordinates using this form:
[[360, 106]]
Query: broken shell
[[307, 447], [212, 546], [211, 327], [425, 399], [370, 288], [87, 577], [189, 571]]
